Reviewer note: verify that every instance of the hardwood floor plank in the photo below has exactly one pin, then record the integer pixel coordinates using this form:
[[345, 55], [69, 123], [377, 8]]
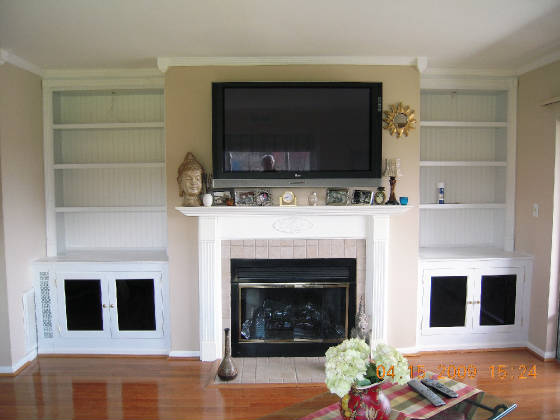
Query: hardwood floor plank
[[157, 388]]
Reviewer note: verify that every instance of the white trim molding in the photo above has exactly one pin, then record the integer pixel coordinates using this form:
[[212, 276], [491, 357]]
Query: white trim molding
[[246, 223], [29, 357], [544, 354], [103, 74], [7, 57], [164, 63], [538, 63], [184, 353]]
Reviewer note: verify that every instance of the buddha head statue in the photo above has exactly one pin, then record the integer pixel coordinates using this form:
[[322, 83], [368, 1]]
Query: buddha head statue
[[189, 177]]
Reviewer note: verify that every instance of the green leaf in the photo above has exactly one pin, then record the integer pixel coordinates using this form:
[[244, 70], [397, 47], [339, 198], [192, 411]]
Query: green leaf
[[364, 382]]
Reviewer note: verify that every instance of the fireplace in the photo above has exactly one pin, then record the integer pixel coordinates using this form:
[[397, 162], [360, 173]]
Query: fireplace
[[291, 307]]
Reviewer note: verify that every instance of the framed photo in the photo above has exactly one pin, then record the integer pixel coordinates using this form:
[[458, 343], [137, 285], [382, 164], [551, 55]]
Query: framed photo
[[263, 198], [337, 196], [362, 197], [245, 198], [222, 198]]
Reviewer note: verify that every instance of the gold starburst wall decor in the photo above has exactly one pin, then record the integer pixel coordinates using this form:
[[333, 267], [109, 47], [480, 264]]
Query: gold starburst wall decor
[[399, 120]]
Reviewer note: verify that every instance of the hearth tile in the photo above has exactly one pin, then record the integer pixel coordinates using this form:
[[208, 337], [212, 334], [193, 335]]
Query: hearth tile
[[312, 251], [337, 248], [248, 374], [249, 252], [360, 264], [281, 242], [299, 242], [261, 252], [274, 252], [325, 248], [361, 249], [226, 265], [350, 248], [299, 252], [312, 242], [261, 242], [236, 251], [236, 243], [225, 249], [250, 242], [287, 252], [360, 284]]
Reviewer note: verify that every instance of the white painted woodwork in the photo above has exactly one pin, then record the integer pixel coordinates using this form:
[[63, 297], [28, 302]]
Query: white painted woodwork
[[467, 142], [473, 263], [104, 164], [107, 267], [225, 223]]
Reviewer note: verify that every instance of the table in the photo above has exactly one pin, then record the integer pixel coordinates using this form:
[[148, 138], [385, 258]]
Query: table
[[484, 407]]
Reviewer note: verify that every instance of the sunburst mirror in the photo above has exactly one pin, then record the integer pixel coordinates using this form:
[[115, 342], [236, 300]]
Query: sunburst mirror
[[399, 120]]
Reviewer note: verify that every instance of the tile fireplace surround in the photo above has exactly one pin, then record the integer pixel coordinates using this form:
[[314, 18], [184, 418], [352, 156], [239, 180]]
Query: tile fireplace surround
[[288, 232]]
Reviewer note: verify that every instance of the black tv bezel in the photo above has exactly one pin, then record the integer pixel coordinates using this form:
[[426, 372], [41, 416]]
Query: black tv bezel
[[376, 103]]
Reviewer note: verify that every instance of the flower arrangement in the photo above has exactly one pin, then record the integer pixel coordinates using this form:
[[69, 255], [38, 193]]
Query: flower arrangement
[[349, 364]]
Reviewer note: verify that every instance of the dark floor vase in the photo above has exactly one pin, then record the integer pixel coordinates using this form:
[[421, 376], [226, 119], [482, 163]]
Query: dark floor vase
[[227, 370]]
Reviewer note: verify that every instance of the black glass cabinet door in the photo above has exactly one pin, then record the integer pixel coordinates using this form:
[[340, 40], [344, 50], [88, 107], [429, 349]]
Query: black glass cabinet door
[[448, 301], [84, 311], [135, 304], [497, 299]]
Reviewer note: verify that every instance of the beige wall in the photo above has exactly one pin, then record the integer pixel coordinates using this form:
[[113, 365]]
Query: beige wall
[[535, 184], [23, 197], [188, 128]]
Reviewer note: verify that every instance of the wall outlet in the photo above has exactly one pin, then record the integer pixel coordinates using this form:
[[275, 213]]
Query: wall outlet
[[535, 210]]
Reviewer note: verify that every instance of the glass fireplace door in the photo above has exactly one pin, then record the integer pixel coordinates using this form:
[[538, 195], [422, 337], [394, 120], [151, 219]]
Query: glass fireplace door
[[292, 312]]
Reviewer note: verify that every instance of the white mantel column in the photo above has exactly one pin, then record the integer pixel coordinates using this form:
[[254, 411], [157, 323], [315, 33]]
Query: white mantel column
[[210, 288], [377, 252]]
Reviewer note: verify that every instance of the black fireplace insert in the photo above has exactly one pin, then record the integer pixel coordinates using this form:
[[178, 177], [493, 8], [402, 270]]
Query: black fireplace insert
[[291, 307]]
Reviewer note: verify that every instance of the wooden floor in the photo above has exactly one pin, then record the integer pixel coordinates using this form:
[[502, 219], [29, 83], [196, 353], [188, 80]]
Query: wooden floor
[[156, 388]]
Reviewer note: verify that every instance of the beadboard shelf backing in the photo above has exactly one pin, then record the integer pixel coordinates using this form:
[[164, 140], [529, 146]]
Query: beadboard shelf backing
[[466, 142], [106, 158]]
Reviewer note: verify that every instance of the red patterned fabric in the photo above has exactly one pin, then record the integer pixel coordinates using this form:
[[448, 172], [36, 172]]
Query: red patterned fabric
[[406, 404]]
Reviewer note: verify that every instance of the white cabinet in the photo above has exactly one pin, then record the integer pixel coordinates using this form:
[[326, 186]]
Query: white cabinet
[[104, 151], [474, 303], [118, 305], [468, 143], [110, 307]]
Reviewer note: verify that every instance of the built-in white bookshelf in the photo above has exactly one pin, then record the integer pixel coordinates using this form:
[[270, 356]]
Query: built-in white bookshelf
[[105, 165], [467, 142]]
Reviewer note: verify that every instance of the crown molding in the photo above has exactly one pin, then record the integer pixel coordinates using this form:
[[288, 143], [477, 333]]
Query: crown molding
[[459, 72], [164, 63], [66, 74], [8, 57], [540, 62]]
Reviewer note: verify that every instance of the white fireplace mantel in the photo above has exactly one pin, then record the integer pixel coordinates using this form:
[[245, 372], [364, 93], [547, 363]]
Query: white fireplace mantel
[[305, 222]]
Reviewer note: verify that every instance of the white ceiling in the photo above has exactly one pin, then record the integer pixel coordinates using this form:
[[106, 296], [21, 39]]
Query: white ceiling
[[466, 34]]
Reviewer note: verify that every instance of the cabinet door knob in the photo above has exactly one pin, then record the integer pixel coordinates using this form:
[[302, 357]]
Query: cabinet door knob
[[469, 302], [111, 305], [478, 302], [104, 305]]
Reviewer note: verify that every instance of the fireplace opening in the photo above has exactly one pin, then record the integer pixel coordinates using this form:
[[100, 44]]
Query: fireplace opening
[[291, 307]]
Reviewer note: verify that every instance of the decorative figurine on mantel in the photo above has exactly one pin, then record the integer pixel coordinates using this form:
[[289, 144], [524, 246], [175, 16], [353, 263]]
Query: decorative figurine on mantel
[[189, 177], [361, 329]]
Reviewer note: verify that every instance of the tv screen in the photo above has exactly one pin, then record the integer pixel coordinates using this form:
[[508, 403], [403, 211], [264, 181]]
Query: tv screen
[[296, 130]]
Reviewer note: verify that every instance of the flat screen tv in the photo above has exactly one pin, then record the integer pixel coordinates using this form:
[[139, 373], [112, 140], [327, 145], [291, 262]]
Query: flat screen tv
[[304, 133]]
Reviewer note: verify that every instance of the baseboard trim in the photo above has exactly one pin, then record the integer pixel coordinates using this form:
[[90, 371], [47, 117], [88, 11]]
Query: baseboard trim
[[545, 356], [184, 354], [21, 364], [78, 352]]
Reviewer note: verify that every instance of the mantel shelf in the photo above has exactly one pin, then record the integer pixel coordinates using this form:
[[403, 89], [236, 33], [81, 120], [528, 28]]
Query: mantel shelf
[[381, 210]]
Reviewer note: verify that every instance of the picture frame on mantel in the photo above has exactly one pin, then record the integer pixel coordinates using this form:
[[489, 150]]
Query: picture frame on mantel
[[337, 197]]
